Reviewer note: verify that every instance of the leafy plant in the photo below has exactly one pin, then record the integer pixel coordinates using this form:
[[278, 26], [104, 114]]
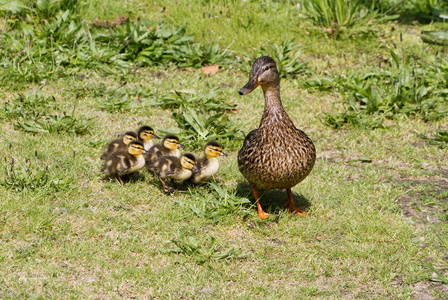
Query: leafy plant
[[210, 101], [220, 203], [29, 105], [205, 253], [36, 113], [403, 91], [58, 123], [200, 126], [48, 43], [24, 177], [440, 139], [286, 57]]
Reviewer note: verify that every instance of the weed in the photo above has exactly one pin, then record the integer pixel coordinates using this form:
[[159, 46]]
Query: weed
[[36, 113], [440, 139], [205, 253], [29, 105], [286, 56], [209, 101], [31, 177], [58, 123], [219, 203], [406, 91], [199, 126]]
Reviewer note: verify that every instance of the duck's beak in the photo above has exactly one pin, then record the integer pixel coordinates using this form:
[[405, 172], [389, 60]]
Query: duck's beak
[[180, 146], [145, 151], [250, 86], [223, 154], [195, 168], [156, 137]]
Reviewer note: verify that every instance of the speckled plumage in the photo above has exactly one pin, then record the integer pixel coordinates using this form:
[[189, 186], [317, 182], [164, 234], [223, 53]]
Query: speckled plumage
[[178, 169], [170, 167], [125, 162], [119, 144], [159, 150], [207, 165], [277, 155]]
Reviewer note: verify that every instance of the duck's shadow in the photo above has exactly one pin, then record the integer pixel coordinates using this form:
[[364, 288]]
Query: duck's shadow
[[272, 201]]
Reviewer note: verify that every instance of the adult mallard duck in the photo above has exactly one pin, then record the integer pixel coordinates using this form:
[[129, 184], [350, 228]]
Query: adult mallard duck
[[277, 155], [208, 164], [120, 144], [125, 162], [146, 135]]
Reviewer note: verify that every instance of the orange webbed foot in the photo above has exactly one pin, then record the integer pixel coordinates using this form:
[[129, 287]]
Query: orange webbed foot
[[263, 215], [295, 211]]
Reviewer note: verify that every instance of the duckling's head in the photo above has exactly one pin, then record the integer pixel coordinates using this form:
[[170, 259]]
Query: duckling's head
[[172, 142], [188, 161], [136, 148], [146, 133], [213, 149], [129, 136], [264, 73]]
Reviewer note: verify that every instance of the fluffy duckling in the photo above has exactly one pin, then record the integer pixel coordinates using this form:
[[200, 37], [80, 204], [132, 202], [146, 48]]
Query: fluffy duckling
[[208, 164], [168, 147], [179, 169], [120, 144], [146, 135], [125, 162], [276, 155]]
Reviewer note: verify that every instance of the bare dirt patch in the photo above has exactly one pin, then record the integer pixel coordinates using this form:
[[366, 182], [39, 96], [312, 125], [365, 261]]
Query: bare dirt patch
[[426, 207]]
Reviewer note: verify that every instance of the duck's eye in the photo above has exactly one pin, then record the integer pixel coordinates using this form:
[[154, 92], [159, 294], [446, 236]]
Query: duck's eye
[[267, 68]]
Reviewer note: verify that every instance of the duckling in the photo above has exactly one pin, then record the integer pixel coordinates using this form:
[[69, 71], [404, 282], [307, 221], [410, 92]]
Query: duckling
[[168, 147], [146, 135], [277, 155], [179, 169], [208, 164], [125, 162], [120, 144]]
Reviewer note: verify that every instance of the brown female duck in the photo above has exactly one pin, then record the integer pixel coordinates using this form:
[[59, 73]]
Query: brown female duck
[[277, 155]]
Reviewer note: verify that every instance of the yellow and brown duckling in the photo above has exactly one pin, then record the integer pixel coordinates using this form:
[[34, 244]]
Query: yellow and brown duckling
[[277, 155], [146, 135], [169, 147], [126, 161], [120, 144], [208, 164], [175, 168]]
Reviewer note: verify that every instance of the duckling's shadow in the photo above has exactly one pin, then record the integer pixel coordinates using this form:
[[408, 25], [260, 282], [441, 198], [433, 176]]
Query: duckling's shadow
[[272, 201]]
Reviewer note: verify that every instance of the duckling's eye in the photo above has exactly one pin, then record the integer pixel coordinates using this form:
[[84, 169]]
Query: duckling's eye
[[217, 150], [267, 68]]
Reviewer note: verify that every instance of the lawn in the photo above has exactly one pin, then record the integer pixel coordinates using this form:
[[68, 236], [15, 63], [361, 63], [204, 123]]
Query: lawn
[[367, 83]]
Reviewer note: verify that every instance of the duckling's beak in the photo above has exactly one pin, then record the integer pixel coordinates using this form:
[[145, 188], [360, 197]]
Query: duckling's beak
[[156, 137], [195, 168], [223, 154], [180, 146], [145, 151], [249, 87]]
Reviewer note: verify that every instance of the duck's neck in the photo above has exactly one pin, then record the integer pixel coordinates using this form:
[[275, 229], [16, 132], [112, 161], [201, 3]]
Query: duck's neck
[[273, 108]]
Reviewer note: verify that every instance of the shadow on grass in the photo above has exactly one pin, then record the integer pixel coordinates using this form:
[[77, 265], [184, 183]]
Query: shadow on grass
[[272, 201]]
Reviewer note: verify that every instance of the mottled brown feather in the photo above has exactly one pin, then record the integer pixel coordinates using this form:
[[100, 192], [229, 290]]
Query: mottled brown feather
[[277, 155]]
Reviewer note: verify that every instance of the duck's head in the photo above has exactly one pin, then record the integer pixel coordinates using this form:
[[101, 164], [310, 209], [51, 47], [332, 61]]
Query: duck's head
[[188, 161], [264, 73], [146, 133], [136, 148], [213, 149], [129, 136], [172, 142]]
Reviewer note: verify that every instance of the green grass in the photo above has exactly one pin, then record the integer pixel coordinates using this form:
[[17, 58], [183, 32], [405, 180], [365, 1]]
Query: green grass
[[377, 196]]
